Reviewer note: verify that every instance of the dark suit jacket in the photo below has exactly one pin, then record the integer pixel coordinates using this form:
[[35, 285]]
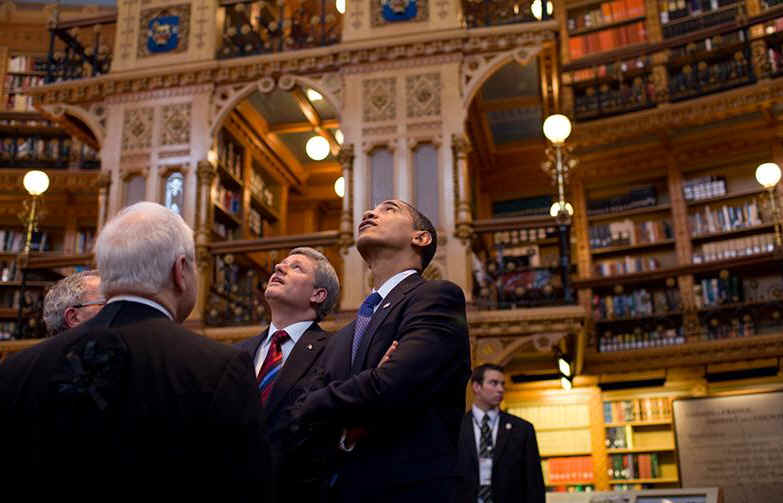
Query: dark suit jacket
[[412, 405], [516, 464], [132, 399], [300, 471]]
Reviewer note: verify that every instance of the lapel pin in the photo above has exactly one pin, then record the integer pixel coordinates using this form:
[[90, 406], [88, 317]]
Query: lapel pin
[[387, 305], [508, 426], [309, 346]]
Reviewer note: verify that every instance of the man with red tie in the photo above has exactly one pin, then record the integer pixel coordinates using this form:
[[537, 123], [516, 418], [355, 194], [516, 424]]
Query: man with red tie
[[303, 289], [409, 409]]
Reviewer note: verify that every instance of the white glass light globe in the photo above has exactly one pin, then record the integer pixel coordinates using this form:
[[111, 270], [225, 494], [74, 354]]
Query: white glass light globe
[[565, 383], [317, 148], [340, 5], [339, 186], [338, 135], [557, 127], [314, 95], [768, 174], [535, 9], [554, 210], [36, 182]]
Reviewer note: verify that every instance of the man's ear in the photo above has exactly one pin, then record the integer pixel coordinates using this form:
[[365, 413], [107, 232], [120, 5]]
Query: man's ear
[[178, 271], [70, 317], [476, 386], [319, 295], [421, 238]]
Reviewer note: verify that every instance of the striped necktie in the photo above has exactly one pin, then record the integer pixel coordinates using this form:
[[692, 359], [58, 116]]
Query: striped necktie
[[363, 321], [485, 451], [271, 366]]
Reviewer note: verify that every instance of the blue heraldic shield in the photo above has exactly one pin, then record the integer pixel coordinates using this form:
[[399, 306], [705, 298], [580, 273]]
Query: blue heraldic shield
[[398, 10], [163, 34]]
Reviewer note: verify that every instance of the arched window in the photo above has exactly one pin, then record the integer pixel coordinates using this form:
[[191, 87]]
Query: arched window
[[381, 175], [173, 192], [425, 180]]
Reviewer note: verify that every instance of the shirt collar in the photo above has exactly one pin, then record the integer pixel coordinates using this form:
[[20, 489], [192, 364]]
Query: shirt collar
[[141, 300], [479, 414], [395, 280], [294, 330]]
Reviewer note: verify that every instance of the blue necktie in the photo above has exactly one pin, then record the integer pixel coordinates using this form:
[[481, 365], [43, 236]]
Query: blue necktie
[[363, 321]]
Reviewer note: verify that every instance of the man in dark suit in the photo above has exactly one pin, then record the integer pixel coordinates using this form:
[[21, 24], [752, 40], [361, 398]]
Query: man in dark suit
[[303, 289], [498, 457], [130, 399], [409, 408]]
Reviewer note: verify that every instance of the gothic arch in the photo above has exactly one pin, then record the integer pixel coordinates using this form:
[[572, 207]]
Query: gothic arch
[[88, 117], [226, 98], [478, 69]]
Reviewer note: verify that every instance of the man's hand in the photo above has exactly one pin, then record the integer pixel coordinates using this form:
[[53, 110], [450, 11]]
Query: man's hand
[[388, 353]]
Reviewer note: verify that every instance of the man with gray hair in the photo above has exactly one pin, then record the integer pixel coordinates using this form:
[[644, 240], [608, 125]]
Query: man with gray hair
[[302, 290], [72, 301], [132, 399]]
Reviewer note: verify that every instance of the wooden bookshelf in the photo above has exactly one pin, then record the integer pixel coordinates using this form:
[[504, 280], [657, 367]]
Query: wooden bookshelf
[[661, 480], [658, 208], [612, 250]]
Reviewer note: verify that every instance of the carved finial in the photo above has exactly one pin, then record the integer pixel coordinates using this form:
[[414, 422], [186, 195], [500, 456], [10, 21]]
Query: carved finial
[[205, 172], [461, 145], [345, 156]]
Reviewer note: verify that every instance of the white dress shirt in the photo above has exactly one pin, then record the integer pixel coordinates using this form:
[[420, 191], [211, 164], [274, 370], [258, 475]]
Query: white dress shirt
[[485, 464], [390, 283], [141, 300], [294, 330]]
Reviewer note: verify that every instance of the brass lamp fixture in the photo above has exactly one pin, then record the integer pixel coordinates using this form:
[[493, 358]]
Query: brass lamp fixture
[[768, 175], [558, 165], [36, 183]]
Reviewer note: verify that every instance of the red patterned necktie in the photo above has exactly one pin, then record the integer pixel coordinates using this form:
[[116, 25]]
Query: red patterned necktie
[[271, 366]]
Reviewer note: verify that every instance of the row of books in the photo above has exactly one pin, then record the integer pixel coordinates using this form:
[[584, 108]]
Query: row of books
[[7, 330], [720, 290], [710, 77], [230, 156], [85, 239], [690, 24], [262, 190], [515, 237], [32, 148], [18, 102], [626, 265], [606, 40], [634, 466], [254, 222], [775, 58], [224, 231], [9, 297], [725, 218], [612, 69], [733, 248], [568, 469], [641, 197], [736, 327], [605, 13], [26, 64], [619, 437], [671, 10], [15, 121], [17, 82], [638, 303], [628, 232], [704, 187], [8, 270], [571, 488], [229, 200], [637, 409], [629, 341]]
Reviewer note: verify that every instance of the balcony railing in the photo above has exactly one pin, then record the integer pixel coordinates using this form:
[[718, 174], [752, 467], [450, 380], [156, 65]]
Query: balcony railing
[[516, 263], [81, 48], [240, 270], [482, 13]]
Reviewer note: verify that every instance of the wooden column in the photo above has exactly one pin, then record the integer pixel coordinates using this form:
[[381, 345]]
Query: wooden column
[[461, 147], [205, 173], [104, 184], [345, 237]]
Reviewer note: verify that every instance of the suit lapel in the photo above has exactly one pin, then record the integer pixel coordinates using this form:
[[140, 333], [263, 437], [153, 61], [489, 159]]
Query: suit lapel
[[504, 432], [304, 353], [256, 343], [387, 305]]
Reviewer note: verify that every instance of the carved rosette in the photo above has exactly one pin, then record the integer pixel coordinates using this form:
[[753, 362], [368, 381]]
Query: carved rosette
[[461, 148], [345, 236]]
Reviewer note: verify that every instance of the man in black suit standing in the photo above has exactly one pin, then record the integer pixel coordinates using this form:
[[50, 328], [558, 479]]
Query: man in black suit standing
[[303, 289], [499, 460], [408, 409], [130, 399]]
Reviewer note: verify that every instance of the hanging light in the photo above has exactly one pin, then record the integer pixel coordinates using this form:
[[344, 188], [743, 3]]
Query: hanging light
[[768, 174], [566, 384], [535, 9], [317, 148], [557, 127], [340, 4], [338, 135], [554, 210], [314, 95], [339, 187], [35, 182], [564, 367]]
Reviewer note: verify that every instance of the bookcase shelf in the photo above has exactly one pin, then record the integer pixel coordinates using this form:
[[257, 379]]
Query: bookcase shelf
[[629, 213], [611, 250], [733, 233], [662, 480], [725, 197], [637, 319], [564, 454], [603, 26], [653, 422], [640, 449]]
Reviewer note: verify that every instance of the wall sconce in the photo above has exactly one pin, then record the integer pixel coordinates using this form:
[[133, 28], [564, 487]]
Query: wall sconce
[[768, 176]]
